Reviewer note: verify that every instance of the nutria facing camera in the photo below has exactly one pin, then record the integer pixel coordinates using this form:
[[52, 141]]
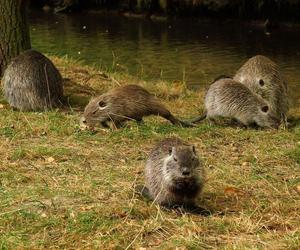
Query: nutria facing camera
[[130, 102], [263, 77], [174, 174], [231, 99], [32, 83]]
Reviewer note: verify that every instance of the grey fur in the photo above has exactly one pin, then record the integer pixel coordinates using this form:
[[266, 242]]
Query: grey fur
[[129, 102], [165, 181], [31, 82], [273, 89], [231, 99]]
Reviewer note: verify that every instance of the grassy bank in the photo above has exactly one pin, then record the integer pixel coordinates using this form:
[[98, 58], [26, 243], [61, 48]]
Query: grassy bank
[[61, 187]]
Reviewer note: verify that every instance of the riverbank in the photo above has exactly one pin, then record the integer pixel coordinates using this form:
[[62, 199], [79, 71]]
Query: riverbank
[[67, 188]]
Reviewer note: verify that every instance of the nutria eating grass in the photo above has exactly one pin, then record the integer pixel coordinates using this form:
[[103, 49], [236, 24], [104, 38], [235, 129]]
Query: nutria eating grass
[[130, 102], [263, 77], [231, 99], [174, 173]]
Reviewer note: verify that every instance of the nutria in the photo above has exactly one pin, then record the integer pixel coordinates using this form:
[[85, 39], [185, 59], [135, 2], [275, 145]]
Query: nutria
[[31, 82], [174, 174], [130, 102], [263, 77], [229, 98]]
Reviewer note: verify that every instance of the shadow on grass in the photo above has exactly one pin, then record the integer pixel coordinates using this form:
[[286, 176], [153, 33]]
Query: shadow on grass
[[143, 192], [293, 122], [77, 96]]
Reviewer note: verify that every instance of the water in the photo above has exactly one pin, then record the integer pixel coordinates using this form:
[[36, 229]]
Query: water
[[194, 51]]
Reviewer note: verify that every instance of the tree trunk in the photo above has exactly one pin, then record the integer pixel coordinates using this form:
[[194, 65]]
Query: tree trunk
[[14, 30]]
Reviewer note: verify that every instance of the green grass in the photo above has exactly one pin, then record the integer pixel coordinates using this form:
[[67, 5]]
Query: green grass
[[61, 187]]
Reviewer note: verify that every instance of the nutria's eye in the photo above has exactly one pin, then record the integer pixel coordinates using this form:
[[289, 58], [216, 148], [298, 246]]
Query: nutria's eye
[[265, 109], [261, 82], [102, 105], [170, 151], [194, 149], [175, 159]]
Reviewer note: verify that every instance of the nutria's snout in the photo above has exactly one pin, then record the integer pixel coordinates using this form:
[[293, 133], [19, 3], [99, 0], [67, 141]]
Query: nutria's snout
[[276, 123], [186, 172], [276, 126]]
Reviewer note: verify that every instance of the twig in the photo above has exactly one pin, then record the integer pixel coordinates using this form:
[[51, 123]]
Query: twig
[[138, 234], [114, 80], [13, 211]]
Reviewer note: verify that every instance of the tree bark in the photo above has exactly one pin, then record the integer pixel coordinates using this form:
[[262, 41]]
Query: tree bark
[[14, 30]]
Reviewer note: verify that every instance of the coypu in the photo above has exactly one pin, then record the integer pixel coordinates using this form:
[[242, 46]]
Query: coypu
[[229, 98], [129, 102], [263, 77], [31, 82], [174, 174]]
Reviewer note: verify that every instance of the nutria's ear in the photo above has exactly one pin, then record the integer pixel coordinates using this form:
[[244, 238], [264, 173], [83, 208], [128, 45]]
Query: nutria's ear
[[261, 82], [102, 105], [265, 109]]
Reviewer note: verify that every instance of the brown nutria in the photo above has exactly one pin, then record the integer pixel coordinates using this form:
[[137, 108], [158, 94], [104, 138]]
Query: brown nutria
[[174, 174], [263, 77], [129, 102], [229, 98], [31, 82]]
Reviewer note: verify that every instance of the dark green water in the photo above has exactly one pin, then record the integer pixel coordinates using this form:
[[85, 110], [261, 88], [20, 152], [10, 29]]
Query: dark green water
[[194, 51]]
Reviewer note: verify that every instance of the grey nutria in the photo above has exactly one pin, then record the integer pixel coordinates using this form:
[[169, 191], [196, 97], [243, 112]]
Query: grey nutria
[[174, 174], [231, 99], [129, 102], [263, 77], [31, 82]]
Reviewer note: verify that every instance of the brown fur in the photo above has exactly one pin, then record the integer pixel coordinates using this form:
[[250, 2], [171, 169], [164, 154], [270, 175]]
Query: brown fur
[[32, 82], [130, 102], [166, 179], [263, 77]]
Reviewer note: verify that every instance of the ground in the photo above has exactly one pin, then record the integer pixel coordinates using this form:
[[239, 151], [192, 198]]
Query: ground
[[61, 187]]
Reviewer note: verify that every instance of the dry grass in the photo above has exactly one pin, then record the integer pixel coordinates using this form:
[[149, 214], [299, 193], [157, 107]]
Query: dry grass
[[65, 188]]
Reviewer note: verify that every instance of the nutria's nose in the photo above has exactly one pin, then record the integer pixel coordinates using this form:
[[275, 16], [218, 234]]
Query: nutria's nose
[[186, 172]]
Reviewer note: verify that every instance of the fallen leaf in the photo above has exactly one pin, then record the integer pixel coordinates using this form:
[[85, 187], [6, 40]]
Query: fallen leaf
[[298, 189], [1, 106], [43, 215], [50, 159], [232, 190], [245, 164]]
